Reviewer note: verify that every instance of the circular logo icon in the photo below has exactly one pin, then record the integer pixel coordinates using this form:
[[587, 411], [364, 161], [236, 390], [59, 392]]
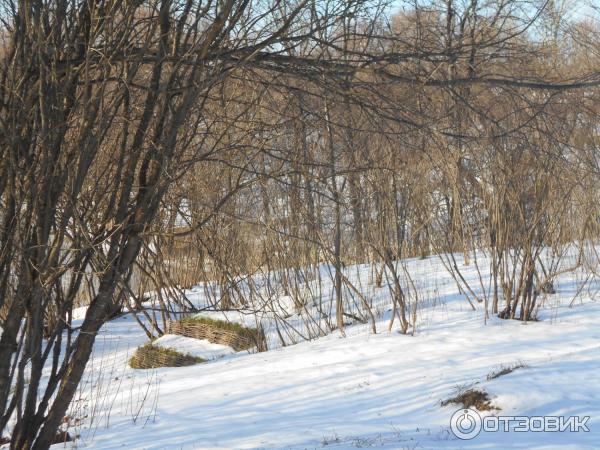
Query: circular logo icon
[[465, 424]]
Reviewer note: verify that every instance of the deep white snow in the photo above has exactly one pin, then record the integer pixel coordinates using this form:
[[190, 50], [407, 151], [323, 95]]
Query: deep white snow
[[361, 390]]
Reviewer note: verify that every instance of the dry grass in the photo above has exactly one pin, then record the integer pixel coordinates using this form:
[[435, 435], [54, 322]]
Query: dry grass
[[471, 398], [505, 370]]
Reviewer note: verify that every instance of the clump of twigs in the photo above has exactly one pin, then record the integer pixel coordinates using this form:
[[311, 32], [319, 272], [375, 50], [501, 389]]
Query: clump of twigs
[[471, 398], [505, 370]]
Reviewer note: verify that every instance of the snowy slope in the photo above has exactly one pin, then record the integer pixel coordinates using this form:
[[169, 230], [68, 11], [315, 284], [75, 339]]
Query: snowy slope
[[377, 390], [363, 390]]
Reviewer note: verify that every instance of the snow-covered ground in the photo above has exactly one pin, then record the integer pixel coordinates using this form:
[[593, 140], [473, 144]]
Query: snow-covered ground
[[359, 390]]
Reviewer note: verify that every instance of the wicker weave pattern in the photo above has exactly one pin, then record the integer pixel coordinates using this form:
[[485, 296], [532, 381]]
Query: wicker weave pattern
[[147, 357], [238, 341]]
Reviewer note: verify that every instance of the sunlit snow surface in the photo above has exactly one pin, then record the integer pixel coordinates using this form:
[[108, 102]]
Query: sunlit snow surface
[[363, 390]]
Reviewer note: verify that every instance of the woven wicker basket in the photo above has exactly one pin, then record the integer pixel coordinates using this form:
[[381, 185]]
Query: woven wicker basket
[[235, 339]]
